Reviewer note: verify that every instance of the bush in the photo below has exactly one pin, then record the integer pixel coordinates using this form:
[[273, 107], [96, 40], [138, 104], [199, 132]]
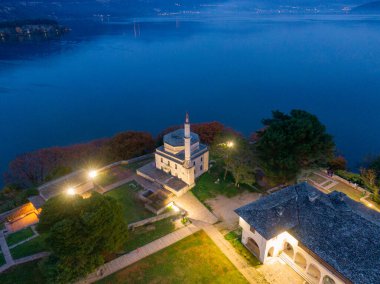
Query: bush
[[354, 178]]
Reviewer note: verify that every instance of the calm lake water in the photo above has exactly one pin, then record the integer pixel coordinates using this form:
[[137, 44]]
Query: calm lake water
[[144, 76]]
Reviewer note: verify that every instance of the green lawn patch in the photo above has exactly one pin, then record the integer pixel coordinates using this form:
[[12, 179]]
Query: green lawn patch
[[133, 207], [148, 233], [207, 187], [348, 190], [234, 238], [19, 236], [2, 259], [317, 178], [26, 273], [33, 246], [195, 259]]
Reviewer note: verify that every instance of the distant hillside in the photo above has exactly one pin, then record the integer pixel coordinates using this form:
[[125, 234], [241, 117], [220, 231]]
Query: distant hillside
[[372, 7], [69, 9]]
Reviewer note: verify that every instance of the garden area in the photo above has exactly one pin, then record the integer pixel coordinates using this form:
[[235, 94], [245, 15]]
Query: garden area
[[211, 184], [31, 247], [19, 236], [2, 259], [195, 259], [27, 273], [145, 234], [234, 238], [133, 207]]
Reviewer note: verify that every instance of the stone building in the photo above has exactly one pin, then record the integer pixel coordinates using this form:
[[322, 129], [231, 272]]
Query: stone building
[[326, 238], [182, 155], [178, 162]]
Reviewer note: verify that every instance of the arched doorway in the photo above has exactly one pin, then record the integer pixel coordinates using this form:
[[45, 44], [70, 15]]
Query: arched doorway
[[288, 249], [253, 247], [271, 252], [314, 272], [300, 260], [328, 280]]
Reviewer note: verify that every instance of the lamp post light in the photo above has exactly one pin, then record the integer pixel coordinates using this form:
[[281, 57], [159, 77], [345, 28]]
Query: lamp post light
[[92, 175], [70, 191], [230, 144]]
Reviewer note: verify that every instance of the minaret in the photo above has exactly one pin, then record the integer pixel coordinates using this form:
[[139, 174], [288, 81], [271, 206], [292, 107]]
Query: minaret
[[187, 138]]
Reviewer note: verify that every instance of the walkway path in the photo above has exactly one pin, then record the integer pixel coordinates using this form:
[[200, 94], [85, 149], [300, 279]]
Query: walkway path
[[249, 272], [140, 253], [5, 249], [195, 209]]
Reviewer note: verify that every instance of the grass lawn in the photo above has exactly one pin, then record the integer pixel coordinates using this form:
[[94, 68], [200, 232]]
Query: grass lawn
[[317, 178], [133, 208], [234, 238], [351, 192], [2, 259], [195, 259], [31, 247], [206, 187], [19, 236], [146, 234], [27, 273]]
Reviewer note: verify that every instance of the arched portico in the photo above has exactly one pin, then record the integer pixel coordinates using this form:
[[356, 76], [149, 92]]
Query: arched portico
[[314, 272], [289, 250], [253, 247], [300, 260], [271, 252], [328, 280]]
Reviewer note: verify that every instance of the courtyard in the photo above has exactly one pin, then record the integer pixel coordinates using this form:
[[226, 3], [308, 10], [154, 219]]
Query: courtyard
[[195, 259]]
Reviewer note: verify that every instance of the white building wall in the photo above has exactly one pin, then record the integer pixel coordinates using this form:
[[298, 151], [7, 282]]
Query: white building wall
[[278, 243]]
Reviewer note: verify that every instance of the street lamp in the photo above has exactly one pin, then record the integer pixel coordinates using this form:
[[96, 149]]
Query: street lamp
[[70, 191], [230, 144], [92, 174]]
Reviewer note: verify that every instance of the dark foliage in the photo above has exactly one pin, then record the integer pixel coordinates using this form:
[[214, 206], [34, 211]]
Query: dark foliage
[[80, 233], [292, 142], [207, 131], [337, 163], [126, 145]]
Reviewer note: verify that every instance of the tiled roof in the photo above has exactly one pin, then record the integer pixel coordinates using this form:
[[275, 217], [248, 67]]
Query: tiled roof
[[342, 232]]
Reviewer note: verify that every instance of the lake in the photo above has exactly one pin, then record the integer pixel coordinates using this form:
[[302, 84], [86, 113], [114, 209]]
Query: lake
[[145, 75]]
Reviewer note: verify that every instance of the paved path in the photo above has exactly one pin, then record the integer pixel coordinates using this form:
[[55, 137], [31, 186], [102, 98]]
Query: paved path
[[195, 209], [249, 272], [223, 207], [5, 249], [140, 253]]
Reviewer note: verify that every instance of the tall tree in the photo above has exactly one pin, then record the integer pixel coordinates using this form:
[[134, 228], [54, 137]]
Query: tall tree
[[292, 142], [80, 233]]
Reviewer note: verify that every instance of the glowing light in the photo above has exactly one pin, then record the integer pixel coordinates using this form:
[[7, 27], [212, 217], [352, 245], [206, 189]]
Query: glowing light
[[230, 144], [70, 191], [370, 205], [92, 174], [173, 206]]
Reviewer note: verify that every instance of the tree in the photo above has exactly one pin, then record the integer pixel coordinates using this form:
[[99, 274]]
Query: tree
[[236, 156], [126, 145], [207, 131], [369, 175], [337, 163], [376, 197], [241, 167], [80, 233], [292, 142]]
